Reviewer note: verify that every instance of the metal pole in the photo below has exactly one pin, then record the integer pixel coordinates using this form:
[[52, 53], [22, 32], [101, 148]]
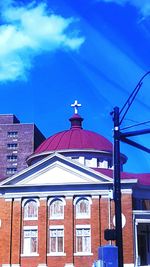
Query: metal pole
[[117, 187]]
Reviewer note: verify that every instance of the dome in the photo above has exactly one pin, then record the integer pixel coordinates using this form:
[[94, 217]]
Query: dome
[[87, 147], [75, 138]]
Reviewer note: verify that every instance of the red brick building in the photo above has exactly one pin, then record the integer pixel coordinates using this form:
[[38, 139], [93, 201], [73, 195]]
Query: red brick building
[[54, 212]]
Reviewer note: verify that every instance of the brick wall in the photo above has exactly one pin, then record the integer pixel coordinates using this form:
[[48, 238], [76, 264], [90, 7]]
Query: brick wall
[[12, 224]]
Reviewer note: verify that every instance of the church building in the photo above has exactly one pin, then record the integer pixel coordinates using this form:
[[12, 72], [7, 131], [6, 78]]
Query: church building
[[54, 212]]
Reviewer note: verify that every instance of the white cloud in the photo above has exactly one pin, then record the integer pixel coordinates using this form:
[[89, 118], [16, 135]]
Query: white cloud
[[143, 6], [28, 31]]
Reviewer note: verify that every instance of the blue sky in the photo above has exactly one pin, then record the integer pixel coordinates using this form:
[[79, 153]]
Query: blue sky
[[95, 51]]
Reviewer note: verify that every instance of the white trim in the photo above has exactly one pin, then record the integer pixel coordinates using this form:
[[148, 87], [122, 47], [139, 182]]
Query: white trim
[[138, 221], [51, 199], [66, 160], [105, 196], [56, 254], [56, 227], [43, 198], [8, 199], [83, 254], [143, 212], [143, 220], [82, 197], [30, 227], [82, 192], [42, 265], [31, 219], [127, 191], [17, 199], [69, 197], [29, 199], [83, 226], [130, 265], [30, 255], [95, 197], [136, 244]]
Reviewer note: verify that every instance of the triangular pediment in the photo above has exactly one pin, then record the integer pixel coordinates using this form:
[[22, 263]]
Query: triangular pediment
[[57, 169]]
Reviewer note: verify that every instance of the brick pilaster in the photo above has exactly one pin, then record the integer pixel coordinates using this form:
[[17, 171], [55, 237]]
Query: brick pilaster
[[16, 232], [42, 232]]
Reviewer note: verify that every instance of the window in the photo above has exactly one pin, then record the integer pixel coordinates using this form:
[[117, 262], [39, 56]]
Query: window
[[30, 240], [82, 207], [12, 146], [56, 240], [11, 170], [11, 158], [83, 239], [57, 208], [12, 134], [146, 204], [141, 204], [30, 209]]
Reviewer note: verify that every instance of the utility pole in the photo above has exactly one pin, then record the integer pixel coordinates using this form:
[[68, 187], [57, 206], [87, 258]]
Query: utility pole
[[118, 117], [117, 187]]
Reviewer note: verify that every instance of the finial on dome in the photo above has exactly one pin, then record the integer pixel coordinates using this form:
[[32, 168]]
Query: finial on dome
[[76, 120], [76, 105]]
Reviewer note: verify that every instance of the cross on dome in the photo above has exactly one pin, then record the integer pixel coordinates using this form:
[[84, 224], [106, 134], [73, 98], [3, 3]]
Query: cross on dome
[[76, 105]]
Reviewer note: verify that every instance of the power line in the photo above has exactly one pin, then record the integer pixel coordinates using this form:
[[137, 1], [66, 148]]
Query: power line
[[135, 125]]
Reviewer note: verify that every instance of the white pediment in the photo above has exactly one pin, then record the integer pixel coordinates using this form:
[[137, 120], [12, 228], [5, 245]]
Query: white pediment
[[58, 174], [55, 170]]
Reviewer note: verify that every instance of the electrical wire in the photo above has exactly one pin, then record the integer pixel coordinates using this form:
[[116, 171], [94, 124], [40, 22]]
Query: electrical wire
[[135, 125]]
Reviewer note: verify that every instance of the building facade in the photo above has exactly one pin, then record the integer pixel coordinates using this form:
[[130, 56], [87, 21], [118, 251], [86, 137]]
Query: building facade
[[17, 142], [55, 211]]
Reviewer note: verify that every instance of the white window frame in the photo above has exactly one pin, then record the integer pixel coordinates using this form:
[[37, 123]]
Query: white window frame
[[83, 253], [29, 253], [82, 215], [24, 202], [56, 253], [56, 216]]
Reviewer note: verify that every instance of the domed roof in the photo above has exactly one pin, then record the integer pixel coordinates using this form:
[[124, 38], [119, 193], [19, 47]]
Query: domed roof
[[75, 138]]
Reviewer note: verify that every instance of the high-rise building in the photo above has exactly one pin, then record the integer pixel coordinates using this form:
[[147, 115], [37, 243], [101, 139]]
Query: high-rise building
[[17, 142]]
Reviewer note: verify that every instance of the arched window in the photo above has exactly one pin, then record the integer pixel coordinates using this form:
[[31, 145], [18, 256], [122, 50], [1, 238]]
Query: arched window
[[30, 209], [82, 207], [56, 208]]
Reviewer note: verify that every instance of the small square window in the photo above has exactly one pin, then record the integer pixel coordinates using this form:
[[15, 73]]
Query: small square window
[[12, 146], [11, 158], [11, 170], [12, 134]]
